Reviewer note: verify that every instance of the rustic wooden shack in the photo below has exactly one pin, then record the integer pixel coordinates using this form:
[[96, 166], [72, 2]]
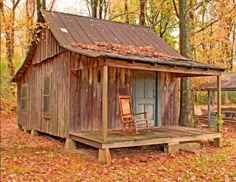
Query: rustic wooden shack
[[69, 88]]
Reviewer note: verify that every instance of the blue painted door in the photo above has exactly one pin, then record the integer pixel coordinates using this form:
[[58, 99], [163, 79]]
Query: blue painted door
[[145, 94]]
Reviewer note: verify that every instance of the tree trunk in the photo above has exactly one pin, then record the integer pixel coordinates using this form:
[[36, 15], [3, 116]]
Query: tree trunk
[[186, 105], [10, 51], [142, 13], [38, 10], [44, 4], [94, 4], [100, 9], [227, 100], [126, 12]]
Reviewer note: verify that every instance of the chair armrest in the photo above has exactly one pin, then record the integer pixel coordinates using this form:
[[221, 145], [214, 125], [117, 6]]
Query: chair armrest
[[140, 113], [128, 114]]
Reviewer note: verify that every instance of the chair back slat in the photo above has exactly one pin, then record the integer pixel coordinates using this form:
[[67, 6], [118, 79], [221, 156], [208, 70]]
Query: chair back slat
[[125, 107], [127, 115]]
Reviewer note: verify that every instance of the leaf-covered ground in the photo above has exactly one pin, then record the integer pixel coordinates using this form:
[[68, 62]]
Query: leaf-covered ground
[[26, 158]]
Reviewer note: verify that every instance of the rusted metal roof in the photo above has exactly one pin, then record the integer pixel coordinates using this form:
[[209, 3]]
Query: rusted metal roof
[[69, 29], [72, 28], [228, 83]]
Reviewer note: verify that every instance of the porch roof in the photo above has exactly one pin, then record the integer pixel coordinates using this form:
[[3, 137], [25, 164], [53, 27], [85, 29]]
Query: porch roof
[[228, 83]]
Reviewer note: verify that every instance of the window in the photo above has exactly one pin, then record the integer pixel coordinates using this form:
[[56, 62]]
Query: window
[[46, 95], [24, 97]]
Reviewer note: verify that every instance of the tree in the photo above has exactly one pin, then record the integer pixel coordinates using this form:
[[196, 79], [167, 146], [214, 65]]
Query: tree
[[30, 12], [142, 12], [161, 17], [8, 19], [98, 8], [186, 103]]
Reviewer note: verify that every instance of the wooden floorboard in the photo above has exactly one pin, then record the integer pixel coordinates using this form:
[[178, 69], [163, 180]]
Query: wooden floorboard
[[160, 135]]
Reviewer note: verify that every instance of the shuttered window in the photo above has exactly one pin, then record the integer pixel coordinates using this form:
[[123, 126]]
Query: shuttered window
[[46, 95], [24, 97]]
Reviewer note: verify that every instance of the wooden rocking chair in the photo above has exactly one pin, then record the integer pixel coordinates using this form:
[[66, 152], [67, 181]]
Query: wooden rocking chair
[[128, 117]]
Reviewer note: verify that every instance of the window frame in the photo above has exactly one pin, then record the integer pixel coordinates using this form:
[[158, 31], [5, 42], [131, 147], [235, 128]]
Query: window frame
[[47, 113], [25, 98]]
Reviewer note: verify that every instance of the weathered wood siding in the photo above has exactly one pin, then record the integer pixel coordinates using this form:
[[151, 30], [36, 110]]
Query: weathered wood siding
[[169, 95], [47, 46], [119, 83], [76, 90], [49, 60], [58, 70], [85, 93]]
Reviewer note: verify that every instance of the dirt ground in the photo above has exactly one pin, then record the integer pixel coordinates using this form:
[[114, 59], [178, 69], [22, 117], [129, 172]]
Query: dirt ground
[[43, 158]]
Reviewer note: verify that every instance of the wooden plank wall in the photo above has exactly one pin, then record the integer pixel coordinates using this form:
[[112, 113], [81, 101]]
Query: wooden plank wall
[[47, 46], [119, 83], [169, 95], [85, 93], [58, 68]]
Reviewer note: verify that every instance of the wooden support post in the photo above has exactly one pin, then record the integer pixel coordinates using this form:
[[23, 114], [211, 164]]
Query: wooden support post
[[104, 101], [171, 147], [70, 144], [209, 108], [19, 127], [218, 142], [34, 132], [104, 156], [26, 130], [218, 103]]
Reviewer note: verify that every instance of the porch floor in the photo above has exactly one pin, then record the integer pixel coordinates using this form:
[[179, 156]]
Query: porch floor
[[156, 135]]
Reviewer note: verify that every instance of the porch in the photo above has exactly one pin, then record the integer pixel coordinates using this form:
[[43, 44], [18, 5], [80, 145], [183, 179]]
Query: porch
[[170, 136]]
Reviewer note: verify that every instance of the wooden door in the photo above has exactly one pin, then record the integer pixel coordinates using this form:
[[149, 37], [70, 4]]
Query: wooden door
[[144, 94]]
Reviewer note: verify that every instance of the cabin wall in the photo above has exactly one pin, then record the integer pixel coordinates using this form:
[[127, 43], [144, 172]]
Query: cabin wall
[[56, 123], [85, 93], [119, 83], [47, 46], [169, 95]]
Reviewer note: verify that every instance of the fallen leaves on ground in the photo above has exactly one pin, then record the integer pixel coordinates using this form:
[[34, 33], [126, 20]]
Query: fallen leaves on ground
[[42, 158]]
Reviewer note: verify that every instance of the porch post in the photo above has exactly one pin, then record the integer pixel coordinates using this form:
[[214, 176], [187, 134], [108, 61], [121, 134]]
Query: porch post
[[209, 108], [218, 103], [104, 101]]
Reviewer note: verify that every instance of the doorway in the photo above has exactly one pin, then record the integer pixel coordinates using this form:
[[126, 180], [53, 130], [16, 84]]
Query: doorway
[[145, 94]]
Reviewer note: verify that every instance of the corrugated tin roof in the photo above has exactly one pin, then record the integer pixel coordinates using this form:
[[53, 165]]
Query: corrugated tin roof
[[69, 29], [72, 28]]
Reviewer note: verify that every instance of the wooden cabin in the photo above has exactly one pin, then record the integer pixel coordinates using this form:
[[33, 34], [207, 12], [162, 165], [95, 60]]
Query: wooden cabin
[[72, 91]]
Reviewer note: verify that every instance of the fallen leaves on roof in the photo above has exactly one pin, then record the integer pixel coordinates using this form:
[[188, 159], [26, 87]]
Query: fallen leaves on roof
[[126, 50]]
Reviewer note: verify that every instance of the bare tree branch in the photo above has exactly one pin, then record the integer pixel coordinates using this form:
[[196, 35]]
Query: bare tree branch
[[175, 7], [122, 14], [15, 5], [213, 22]]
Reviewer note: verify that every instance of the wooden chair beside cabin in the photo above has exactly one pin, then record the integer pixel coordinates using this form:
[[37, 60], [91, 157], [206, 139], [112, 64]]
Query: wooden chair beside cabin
[[128, 116]]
